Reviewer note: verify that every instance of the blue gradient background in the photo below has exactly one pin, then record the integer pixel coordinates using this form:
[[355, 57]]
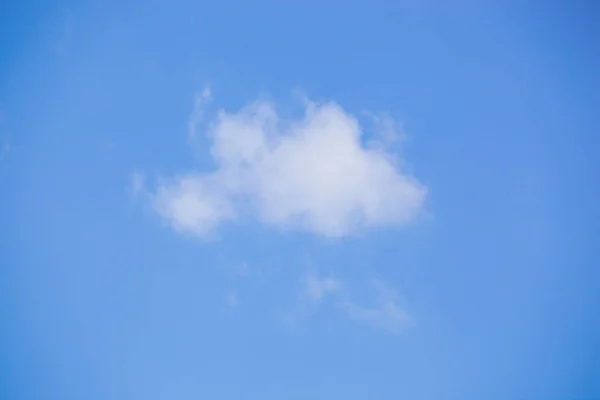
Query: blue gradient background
[[500, 103]]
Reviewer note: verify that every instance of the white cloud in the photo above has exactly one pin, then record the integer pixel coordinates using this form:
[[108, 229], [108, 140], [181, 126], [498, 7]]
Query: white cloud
[[193, 203], [386, 314], [313, 173]]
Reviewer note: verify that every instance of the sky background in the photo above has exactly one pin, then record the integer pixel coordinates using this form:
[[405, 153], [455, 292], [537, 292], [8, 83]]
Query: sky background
[[488, 289]]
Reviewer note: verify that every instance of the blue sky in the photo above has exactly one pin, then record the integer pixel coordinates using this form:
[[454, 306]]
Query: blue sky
[[263, 200]]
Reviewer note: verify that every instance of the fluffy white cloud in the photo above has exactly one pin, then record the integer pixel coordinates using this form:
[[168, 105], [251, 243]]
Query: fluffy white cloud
[[194, 203], [313, 173]]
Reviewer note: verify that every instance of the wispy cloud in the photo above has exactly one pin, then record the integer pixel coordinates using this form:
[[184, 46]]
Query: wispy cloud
[[316, 288], [231, 299], [240, 269], [384, 314], [200, 102], [313, 173], [137, 182]]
